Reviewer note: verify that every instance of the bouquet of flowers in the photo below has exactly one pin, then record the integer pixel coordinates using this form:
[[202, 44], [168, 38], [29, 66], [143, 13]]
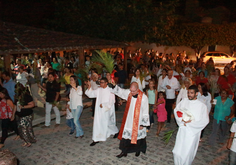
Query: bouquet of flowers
[[185, 114]]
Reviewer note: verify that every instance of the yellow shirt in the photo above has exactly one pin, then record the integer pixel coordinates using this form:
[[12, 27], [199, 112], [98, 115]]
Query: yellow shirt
[[67, 78]]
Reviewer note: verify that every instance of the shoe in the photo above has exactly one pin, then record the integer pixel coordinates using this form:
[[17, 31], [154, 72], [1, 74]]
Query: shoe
[[81, 136], [71, 133], [93, 143], [44, 126], [116, 135], [137, 154], [121, 155], [57, 125]]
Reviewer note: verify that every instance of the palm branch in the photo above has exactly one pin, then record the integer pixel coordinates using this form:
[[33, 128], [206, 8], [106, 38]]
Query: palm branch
[[168, 135], [105, 59]]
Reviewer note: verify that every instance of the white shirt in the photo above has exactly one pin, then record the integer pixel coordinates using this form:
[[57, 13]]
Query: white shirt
[[147, 78], [68, 113], [173, 83], [22, 78], [76, 97], [206, 100], [233, 130], [140, 85], [160, 82], [182, 94]]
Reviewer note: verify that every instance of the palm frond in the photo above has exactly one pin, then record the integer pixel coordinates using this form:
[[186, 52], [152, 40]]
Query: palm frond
[[104, 58], [168, 135]]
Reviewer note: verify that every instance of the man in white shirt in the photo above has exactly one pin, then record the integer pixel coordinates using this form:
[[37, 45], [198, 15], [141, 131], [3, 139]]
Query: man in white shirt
[[170, 84]]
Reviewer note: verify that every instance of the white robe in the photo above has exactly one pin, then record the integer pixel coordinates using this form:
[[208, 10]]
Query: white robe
[[188, 136], [104, 123], [143, 116]]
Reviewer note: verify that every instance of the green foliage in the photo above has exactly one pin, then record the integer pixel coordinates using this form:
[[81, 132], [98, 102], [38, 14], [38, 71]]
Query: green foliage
[[121, 20], [105, 59], [168, 135]]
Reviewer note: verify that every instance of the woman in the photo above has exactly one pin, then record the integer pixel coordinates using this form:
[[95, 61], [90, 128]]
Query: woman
[[184, 90], [67, 80], [137, 78], [213, 78], [201, 78], [22, 76], [76, 104], [24, 111], [161, 79], [224, 110], [55, 65], [204, 96], [6, 115]]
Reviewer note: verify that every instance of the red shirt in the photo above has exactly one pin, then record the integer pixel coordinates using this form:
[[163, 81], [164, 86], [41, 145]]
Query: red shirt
[[198, 80], [224, 82]]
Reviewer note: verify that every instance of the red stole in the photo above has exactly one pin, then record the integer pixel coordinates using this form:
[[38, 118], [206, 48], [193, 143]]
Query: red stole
[[135, 119]]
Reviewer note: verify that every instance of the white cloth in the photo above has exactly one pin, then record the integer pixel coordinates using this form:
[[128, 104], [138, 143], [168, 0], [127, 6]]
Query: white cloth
[[206, 100], [104, 123], [160, 82], [233, 130], [159, 72], [94, 85], [76, 97], [22, 78], [68, 113], [182, 94], [147, 78], [140, 85], [143, 116], [187, 138], [173, 83]]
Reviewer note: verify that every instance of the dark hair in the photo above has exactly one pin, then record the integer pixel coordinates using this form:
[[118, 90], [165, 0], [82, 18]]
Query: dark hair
[[202, 73], [76, 80], [163, 93], [5, 92], [164, 70], [51, 73], [204, 89], [193, 87], [6, 73], [104, 79], [227, 92], [136, 71], [19, 90]]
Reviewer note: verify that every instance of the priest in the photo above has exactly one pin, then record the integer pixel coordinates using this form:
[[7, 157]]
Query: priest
[[104, 123], [132, 133], [190, 127]]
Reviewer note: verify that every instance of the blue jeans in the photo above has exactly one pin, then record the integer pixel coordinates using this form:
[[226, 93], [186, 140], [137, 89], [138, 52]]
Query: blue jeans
[[76, 114], [71, 124], [232, 158]]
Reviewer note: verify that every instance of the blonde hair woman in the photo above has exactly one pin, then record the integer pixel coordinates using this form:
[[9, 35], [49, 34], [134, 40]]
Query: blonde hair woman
[[184, 90]]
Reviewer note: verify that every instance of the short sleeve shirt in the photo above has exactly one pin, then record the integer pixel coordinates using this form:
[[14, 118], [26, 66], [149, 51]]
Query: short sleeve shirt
[[222, 110], [52, 89]]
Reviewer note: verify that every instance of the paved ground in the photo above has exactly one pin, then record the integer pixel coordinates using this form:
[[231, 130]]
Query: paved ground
[[54, 146]]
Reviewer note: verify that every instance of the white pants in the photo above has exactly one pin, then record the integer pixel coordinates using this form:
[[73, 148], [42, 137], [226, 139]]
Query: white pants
[[48, 114]]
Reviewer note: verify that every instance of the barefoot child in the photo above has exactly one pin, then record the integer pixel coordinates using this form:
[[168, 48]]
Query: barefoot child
[[152, 97], [161, 111]]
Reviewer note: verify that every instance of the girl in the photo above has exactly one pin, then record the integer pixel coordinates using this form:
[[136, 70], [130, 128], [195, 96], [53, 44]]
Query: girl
[[137, 78], [152, 98], [6, 115], [161, 111]]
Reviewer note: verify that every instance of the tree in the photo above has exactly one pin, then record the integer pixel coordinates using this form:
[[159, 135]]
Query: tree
[[122, 20]]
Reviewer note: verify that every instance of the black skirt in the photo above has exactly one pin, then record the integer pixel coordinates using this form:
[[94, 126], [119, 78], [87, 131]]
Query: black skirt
[[127, 147]]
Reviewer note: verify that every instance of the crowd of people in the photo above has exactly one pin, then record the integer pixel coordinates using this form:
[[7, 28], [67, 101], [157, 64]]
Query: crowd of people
[[163, 84]]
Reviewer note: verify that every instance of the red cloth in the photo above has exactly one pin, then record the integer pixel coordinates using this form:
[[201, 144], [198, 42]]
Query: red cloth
[[224, 83], [5, 110], [198, 80]]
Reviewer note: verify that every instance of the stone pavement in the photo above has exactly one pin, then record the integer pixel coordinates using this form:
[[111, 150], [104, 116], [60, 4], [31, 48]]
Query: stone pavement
[[54, 146]]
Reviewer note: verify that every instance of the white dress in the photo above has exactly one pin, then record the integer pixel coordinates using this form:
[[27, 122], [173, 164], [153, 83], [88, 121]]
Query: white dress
[[206, 100], [187, 138], [104, 123]]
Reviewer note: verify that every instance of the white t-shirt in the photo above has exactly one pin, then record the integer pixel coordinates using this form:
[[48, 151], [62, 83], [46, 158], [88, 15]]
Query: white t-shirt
[[233, 130], [68, 113]]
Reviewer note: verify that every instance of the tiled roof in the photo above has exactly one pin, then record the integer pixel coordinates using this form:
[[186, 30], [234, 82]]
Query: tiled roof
[[15, 39]]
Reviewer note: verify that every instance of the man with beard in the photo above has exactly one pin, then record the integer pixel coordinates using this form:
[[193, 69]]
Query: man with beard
[[189, 131]]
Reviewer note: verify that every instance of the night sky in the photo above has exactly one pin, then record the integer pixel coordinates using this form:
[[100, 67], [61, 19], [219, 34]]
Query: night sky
[[34, 13]]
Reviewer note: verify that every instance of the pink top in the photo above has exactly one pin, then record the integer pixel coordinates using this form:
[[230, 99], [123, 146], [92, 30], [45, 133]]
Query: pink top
[[161, 107]]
